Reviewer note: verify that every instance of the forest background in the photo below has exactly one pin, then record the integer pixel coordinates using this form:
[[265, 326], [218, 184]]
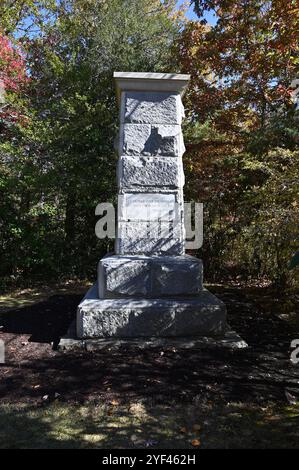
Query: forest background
[[59, 117]]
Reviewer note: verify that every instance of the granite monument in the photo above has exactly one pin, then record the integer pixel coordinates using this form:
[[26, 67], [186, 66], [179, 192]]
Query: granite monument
[[149, 287]]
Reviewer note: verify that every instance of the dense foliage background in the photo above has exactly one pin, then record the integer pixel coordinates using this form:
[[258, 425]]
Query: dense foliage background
[[58, 120]]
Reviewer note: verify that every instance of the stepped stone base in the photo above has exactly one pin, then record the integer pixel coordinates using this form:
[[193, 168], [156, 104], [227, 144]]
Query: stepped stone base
[[201, 315], [70, 342], [149, 276]]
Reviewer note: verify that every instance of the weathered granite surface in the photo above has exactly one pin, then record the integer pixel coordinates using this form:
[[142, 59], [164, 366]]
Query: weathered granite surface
[[200, 315], [150, 224], [120, 276], [133, 138], [146, 139], [164, 172], [179, 275], [150, 238], [228, 340], [149, 276], [152, 107]]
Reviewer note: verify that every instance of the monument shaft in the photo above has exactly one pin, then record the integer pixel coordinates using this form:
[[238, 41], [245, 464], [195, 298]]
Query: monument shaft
[[150, 169]]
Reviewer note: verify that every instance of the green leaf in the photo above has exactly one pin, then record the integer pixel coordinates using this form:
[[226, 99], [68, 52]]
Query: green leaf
[[294, 261]]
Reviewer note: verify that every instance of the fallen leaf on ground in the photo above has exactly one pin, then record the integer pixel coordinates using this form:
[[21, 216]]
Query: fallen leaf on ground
[[114, 402], [183, 430], [195, 442]]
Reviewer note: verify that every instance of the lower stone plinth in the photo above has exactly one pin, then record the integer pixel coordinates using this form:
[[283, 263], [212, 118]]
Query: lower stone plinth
[[201, 315]]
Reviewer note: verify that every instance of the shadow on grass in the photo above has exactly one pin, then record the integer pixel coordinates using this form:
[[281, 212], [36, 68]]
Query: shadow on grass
[[65, 426], [257, 375], [83, 399], [138, 426], [44, 321]]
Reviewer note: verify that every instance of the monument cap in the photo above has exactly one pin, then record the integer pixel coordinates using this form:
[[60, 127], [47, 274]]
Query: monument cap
[[144, 81]]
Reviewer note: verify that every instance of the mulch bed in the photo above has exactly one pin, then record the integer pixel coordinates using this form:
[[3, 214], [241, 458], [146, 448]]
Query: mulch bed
[[262, 373]]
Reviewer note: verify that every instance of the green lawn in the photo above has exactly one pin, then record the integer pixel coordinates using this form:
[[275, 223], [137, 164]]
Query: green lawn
[[59, 425]]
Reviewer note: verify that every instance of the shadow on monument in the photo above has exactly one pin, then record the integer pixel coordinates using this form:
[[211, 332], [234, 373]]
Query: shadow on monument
[[158, 144]]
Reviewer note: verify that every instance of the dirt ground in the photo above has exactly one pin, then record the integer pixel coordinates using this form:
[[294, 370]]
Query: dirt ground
[[158, 398]]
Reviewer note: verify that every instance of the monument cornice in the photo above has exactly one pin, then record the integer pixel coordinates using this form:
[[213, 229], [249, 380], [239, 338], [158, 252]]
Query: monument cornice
[[144, 81]]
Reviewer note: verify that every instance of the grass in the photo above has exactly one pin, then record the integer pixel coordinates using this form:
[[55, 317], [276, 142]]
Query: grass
[[26, 297], [60, 425], [129, 423], [71, 426]]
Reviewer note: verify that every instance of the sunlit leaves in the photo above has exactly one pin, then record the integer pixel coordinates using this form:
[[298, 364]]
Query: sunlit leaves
[[250, 55]]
